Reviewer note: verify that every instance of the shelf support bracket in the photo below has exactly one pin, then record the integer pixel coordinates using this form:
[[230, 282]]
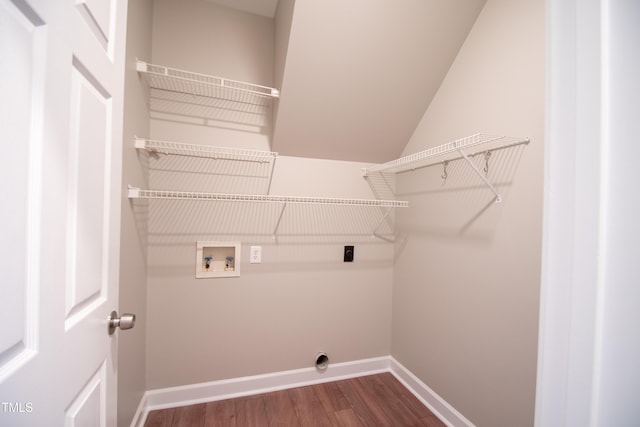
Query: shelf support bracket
[[273, 167], [275, 231], [133, 192], [384, 217], [481, 175]]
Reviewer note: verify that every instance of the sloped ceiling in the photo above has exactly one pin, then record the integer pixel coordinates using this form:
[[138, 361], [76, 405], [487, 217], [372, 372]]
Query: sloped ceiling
[[358, 75]]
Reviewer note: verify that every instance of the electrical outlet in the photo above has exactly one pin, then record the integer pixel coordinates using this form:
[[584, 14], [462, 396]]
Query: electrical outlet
[[255, 255], [348, 253]]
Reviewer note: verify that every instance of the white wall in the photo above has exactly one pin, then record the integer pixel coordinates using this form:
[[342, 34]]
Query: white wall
[[133, 237], [278, 314], [282, 31], [194, 35], [202, 37], [302, 298], [467, 270]]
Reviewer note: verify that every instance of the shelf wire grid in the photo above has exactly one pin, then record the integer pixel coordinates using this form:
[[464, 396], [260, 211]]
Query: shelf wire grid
[[410, 161], [196, 84], [212, 152], [136, 193]]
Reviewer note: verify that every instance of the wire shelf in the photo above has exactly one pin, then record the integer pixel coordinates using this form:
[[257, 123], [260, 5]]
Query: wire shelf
[[195, 84], [411, 161], [137, 193], [211, 152]]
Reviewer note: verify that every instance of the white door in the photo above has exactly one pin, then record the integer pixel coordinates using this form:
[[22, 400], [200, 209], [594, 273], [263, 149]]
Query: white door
[[61, 90]]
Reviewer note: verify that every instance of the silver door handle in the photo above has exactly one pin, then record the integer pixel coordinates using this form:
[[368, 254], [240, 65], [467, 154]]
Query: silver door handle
[[126, 321]]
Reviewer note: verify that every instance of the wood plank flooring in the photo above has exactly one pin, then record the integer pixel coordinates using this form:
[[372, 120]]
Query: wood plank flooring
[[374, 400]]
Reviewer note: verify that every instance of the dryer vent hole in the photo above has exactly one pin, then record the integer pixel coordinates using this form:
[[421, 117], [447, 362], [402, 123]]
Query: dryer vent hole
[[322, 361]]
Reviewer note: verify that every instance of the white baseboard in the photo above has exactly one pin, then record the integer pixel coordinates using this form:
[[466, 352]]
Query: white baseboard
[[245, 386], [141, 413], [441, 408]]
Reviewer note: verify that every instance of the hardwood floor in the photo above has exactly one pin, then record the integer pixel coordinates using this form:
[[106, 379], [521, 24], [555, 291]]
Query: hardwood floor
[[374, 400]]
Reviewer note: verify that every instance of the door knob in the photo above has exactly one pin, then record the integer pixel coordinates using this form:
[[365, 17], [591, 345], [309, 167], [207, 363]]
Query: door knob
[[126, 321]]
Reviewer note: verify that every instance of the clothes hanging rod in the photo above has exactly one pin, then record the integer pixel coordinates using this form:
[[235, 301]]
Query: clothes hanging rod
[[137, 193], [193, 150]]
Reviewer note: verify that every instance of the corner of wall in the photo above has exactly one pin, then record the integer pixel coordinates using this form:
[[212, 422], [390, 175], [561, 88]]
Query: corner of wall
[[133, 237], [467, 270]]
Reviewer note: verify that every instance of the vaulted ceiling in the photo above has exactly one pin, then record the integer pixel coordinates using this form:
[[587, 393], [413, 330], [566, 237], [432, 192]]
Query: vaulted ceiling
[[356, 76]]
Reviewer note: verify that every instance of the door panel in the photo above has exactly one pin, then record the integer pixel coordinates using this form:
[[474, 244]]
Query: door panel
[[22, 81], [60, 170], [90, 112], [88, 408], [97, 16]]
